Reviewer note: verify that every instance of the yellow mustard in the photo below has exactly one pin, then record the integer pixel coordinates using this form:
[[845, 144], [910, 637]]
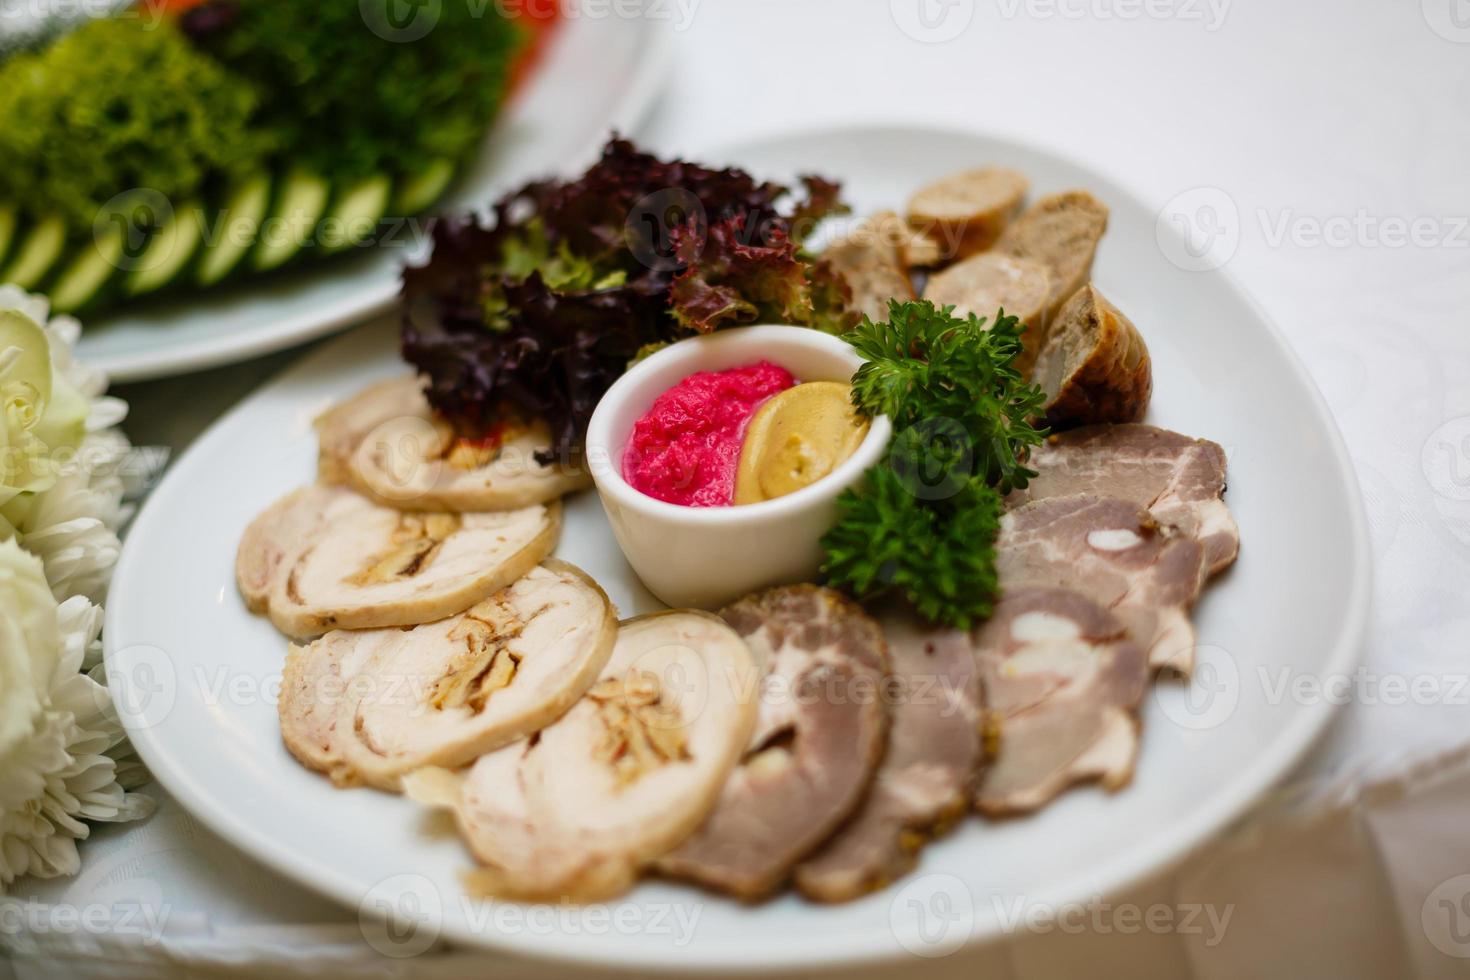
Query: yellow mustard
[[796, 438]]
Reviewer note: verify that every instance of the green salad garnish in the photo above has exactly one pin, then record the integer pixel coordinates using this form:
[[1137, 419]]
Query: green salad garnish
[[924, 522]]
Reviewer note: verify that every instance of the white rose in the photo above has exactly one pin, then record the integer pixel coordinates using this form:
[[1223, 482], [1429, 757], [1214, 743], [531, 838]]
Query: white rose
[[42, 417]]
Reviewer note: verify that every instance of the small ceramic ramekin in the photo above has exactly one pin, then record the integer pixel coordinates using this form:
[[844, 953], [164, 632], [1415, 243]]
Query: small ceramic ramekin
[[704, 557]]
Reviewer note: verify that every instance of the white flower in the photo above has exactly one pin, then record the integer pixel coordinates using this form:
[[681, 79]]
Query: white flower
[[72, 520], [58, 730]]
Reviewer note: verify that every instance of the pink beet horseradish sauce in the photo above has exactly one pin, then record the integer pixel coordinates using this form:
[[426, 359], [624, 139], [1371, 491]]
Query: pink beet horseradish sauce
[[686, 448]]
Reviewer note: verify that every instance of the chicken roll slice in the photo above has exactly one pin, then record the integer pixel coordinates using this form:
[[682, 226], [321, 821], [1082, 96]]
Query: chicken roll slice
[[1063, 683], [314, 686], [1115, 553], [927, 776], [819, 737], [579, 810], [448, 692], [1181, 480], [388, 443], [328, 558]]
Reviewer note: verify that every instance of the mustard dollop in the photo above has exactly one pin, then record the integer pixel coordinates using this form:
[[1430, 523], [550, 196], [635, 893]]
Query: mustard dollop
[[796, 438]]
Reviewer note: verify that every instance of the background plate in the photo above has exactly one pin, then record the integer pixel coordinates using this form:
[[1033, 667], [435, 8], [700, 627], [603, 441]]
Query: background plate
[[599, 73], [193, 672]]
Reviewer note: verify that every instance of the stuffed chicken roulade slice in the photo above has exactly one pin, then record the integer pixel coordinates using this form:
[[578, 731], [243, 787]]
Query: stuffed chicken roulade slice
[[314, 686], [446, 693], [818, 740], [1063, 682], [387, 443], [1181, 480], [325, 558], [936, 746], [1116, 553], [579, 810]]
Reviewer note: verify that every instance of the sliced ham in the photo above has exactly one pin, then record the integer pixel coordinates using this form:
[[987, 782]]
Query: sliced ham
[[1116, 553], [818, 739], [1180, 480], [327, 558], [1062, 683], [387, 443], [448, 692], [577, 811], [927, 776]]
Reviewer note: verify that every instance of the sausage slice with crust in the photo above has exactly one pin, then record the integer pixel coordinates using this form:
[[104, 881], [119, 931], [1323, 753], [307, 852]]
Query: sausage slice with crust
[[984, 283], [967, 211], [1094, 366], [1062, 232]]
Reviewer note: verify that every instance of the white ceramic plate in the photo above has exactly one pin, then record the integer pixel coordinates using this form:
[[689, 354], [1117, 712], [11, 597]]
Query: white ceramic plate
[[598, 74], [188, 664]]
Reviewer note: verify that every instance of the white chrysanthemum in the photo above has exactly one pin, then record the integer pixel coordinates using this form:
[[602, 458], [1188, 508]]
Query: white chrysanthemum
[[72, 525], [59, 733]]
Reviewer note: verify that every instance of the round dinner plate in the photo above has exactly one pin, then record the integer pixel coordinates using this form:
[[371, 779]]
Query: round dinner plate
[[599, 73], [194, 674]]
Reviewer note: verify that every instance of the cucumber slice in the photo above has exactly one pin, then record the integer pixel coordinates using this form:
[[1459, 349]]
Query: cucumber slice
[[236, 229], [298, 209], [416, 192], [7, 228], [354, 216], [82, 280], [168, 252], [36, 253]]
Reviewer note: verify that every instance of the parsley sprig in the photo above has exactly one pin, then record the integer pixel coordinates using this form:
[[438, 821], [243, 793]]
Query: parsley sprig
[[924, 521]]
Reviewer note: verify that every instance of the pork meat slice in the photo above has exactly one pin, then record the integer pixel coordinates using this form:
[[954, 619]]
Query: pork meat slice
[[1063, 682], [387, 443], [927, 777], [328, 558], [579, 810], [1116, 553], [448, 692], [1181, 480], [818, 739]]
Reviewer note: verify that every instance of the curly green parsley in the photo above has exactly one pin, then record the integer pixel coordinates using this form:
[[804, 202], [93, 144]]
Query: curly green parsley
[[924, 522]]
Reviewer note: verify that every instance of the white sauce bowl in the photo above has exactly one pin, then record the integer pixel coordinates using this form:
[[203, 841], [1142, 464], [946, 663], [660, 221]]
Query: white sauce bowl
[[704, 557]]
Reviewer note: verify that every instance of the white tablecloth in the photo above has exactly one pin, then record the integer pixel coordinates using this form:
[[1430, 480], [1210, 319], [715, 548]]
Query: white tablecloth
[[1332, 144]]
